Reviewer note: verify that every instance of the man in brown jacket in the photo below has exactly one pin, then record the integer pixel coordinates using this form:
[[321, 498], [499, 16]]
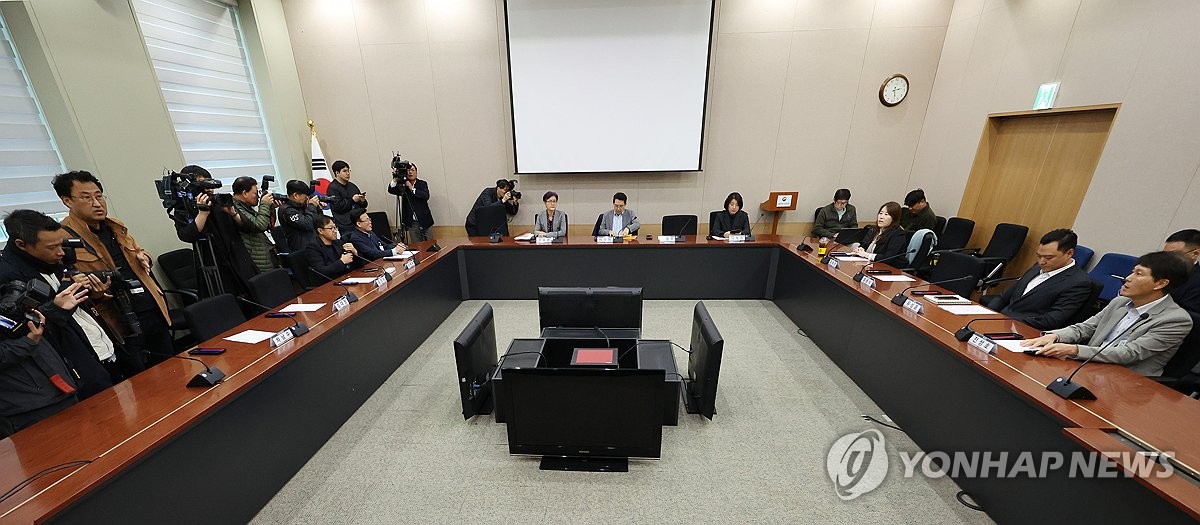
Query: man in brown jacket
[[110, 248]]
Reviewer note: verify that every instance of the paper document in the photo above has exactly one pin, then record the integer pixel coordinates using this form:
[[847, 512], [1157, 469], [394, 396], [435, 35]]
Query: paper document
[[893, 278], [303, 307], [250, 336], [965, 309], [401, 257], [1015, 346], [524, 237], [853, 258], [357, 280]]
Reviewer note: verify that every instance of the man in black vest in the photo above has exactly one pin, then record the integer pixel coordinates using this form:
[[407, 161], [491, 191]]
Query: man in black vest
[[1049, 295]]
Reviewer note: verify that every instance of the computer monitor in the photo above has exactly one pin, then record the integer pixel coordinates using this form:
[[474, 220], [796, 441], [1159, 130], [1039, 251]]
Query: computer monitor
[[704, 364], [610, 307], [475, 355], [585, 418]]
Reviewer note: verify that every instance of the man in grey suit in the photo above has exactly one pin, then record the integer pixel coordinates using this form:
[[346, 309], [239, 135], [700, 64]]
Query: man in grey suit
[[1151, 341], [1050, 293], [619, 221]]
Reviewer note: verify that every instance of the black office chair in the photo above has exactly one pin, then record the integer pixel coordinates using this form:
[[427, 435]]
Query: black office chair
[[179, 266], [381, 226], [712, 220], [596, 228], [1177, 373], [939, 226], [272, 288], [1006, 241], [953, 265], [279, 235], [679, 224], [1089, 307], [919, 259], [956, 234], [210, 317], [297, 262], [815, 213]]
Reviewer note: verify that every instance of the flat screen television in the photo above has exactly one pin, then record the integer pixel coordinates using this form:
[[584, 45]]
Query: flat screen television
[[475, 355], [585, 418], [704, 364], [610, 307]]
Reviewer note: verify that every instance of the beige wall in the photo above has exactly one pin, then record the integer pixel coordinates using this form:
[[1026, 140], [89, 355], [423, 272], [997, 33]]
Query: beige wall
[[793, 103], [1139, 54]]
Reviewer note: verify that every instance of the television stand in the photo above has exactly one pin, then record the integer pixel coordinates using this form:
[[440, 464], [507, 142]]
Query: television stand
[[585, 464]]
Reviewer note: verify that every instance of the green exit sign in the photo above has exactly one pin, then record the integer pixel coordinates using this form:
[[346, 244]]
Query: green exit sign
[[1045, 96]]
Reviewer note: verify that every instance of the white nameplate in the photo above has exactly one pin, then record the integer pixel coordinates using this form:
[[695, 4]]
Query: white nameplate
[[410, 263], [833, 262], [737, 238], [666, 239], [868, 281], [544, 240], [380, 281], [282, 337], [983, 342], [604, 239], [340, 304], [913, 306]]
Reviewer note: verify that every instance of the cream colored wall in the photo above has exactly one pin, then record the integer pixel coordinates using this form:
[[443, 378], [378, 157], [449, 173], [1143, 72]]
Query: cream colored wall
[[793, 103], [1139, 54]]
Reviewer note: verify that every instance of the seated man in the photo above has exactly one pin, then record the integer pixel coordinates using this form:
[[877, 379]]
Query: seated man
[[917, 214], [501, 195], [1145, 345], [326, 257], [619, 221], [835, 216], [1187, 243], [34, 381], [366, 242], [1051, 292]]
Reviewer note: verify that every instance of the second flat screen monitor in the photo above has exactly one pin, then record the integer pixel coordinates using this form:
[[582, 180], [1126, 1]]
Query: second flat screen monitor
[[590, 307]]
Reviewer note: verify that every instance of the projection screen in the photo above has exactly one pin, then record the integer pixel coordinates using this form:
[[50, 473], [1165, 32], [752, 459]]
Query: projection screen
[[608, 85]]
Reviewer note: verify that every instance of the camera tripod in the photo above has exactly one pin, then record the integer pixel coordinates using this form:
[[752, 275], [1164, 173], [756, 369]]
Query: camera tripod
[[208, 266]]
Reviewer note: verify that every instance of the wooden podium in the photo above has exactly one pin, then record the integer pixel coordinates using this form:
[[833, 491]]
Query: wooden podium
[[779, 201]]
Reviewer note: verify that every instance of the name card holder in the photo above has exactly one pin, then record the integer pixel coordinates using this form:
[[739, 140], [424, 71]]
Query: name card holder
[[868, 281], [666, 239], [833, 263], [984, 343], [733, 239], [381, 281], [341, 303], [543, 240], [604, 239], [410, 263], [913, 306], [281, 337]]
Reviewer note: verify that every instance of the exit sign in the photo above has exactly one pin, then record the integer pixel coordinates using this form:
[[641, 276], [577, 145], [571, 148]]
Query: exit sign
[[1045, 96]]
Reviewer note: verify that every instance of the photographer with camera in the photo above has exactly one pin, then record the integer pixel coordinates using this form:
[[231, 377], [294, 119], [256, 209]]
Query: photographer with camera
[[74, 327], [299, 215], [253, 214], [348, 197], [413, 194], [213, 224], [501, 195], [34, 381], [137, 309]]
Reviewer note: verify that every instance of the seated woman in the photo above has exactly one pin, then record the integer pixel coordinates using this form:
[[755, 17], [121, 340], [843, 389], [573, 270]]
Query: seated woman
[[550, 223], [733, 221], [886, 237], [328, 258]]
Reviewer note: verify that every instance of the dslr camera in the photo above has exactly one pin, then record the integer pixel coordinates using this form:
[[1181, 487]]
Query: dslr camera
[[18, 299], [512, 185], [179, 191], [264, 188]]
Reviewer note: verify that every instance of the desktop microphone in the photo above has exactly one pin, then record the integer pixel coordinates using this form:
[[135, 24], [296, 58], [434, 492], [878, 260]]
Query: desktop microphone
[[297, 328], [680, 236], [966, 332], [349, 295], [750, 234], [899, 299], [803, 246], [209, 377], [495, 236], [858, 277], [386, 274], [1068, 390]]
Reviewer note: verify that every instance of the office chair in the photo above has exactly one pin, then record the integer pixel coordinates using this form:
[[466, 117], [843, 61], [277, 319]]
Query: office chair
[[1006, 241], [1177, 373], [179, 266], [815, 213], [491, 219], [956, 235], [1083, 256], [381, 226], [596, 228], [919, 259], [272, 288], [953, 265], [210, 317], [1112, 264], [939, 226], [679, 224], [712, 220], [297, 262]]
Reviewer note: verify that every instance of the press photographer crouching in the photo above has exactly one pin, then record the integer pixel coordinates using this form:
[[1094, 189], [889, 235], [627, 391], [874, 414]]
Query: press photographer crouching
[[73, 325], [34, 380], [205, 219], [136, 310]]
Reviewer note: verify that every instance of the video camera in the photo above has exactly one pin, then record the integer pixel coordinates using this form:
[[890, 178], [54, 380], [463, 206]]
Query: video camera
[[400, 166], [18, 299], [179, 191]]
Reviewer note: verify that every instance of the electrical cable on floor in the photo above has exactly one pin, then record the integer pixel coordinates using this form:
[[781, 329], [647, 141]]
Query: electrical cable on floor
[[873, 420], [47, 471], [802, 334], [970, 505]]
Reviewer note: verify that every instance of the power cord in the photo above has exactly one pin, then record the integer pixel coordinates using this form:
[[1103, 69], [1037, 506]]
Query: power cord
[[873, 420], [635, 345], [45, 472], [476, 387], [968, 504]]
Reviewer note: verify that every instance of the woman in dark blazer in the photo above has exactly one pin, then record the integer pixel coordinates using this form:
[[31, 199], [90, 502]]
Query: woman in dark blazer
[[550, 223], [886, 237], [734, 220]]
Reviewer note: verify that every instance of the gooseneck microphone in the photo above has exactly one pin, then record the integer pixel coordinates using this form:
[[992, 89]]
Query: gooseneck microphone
[[858, 277], [803, 246], [1068, 390], [349, 294], [209, 377], [966, 332], [297, 328], [899, 299], [679, 236], [386, 274]]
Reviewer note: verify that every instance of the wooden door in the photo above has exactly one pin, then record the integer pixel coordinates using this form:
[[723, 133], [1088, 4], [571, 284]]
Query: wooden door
[[1034, 168]]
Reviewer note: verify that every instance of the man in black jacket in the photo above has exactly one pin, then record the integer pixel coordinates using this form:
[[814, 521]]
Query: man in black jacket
[[214, 226], [328, 256], [501, 195], [1049, 295], [299, 215], [349, 197], [74, 328], [413, 194], [1187, 244], [34, 381]]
